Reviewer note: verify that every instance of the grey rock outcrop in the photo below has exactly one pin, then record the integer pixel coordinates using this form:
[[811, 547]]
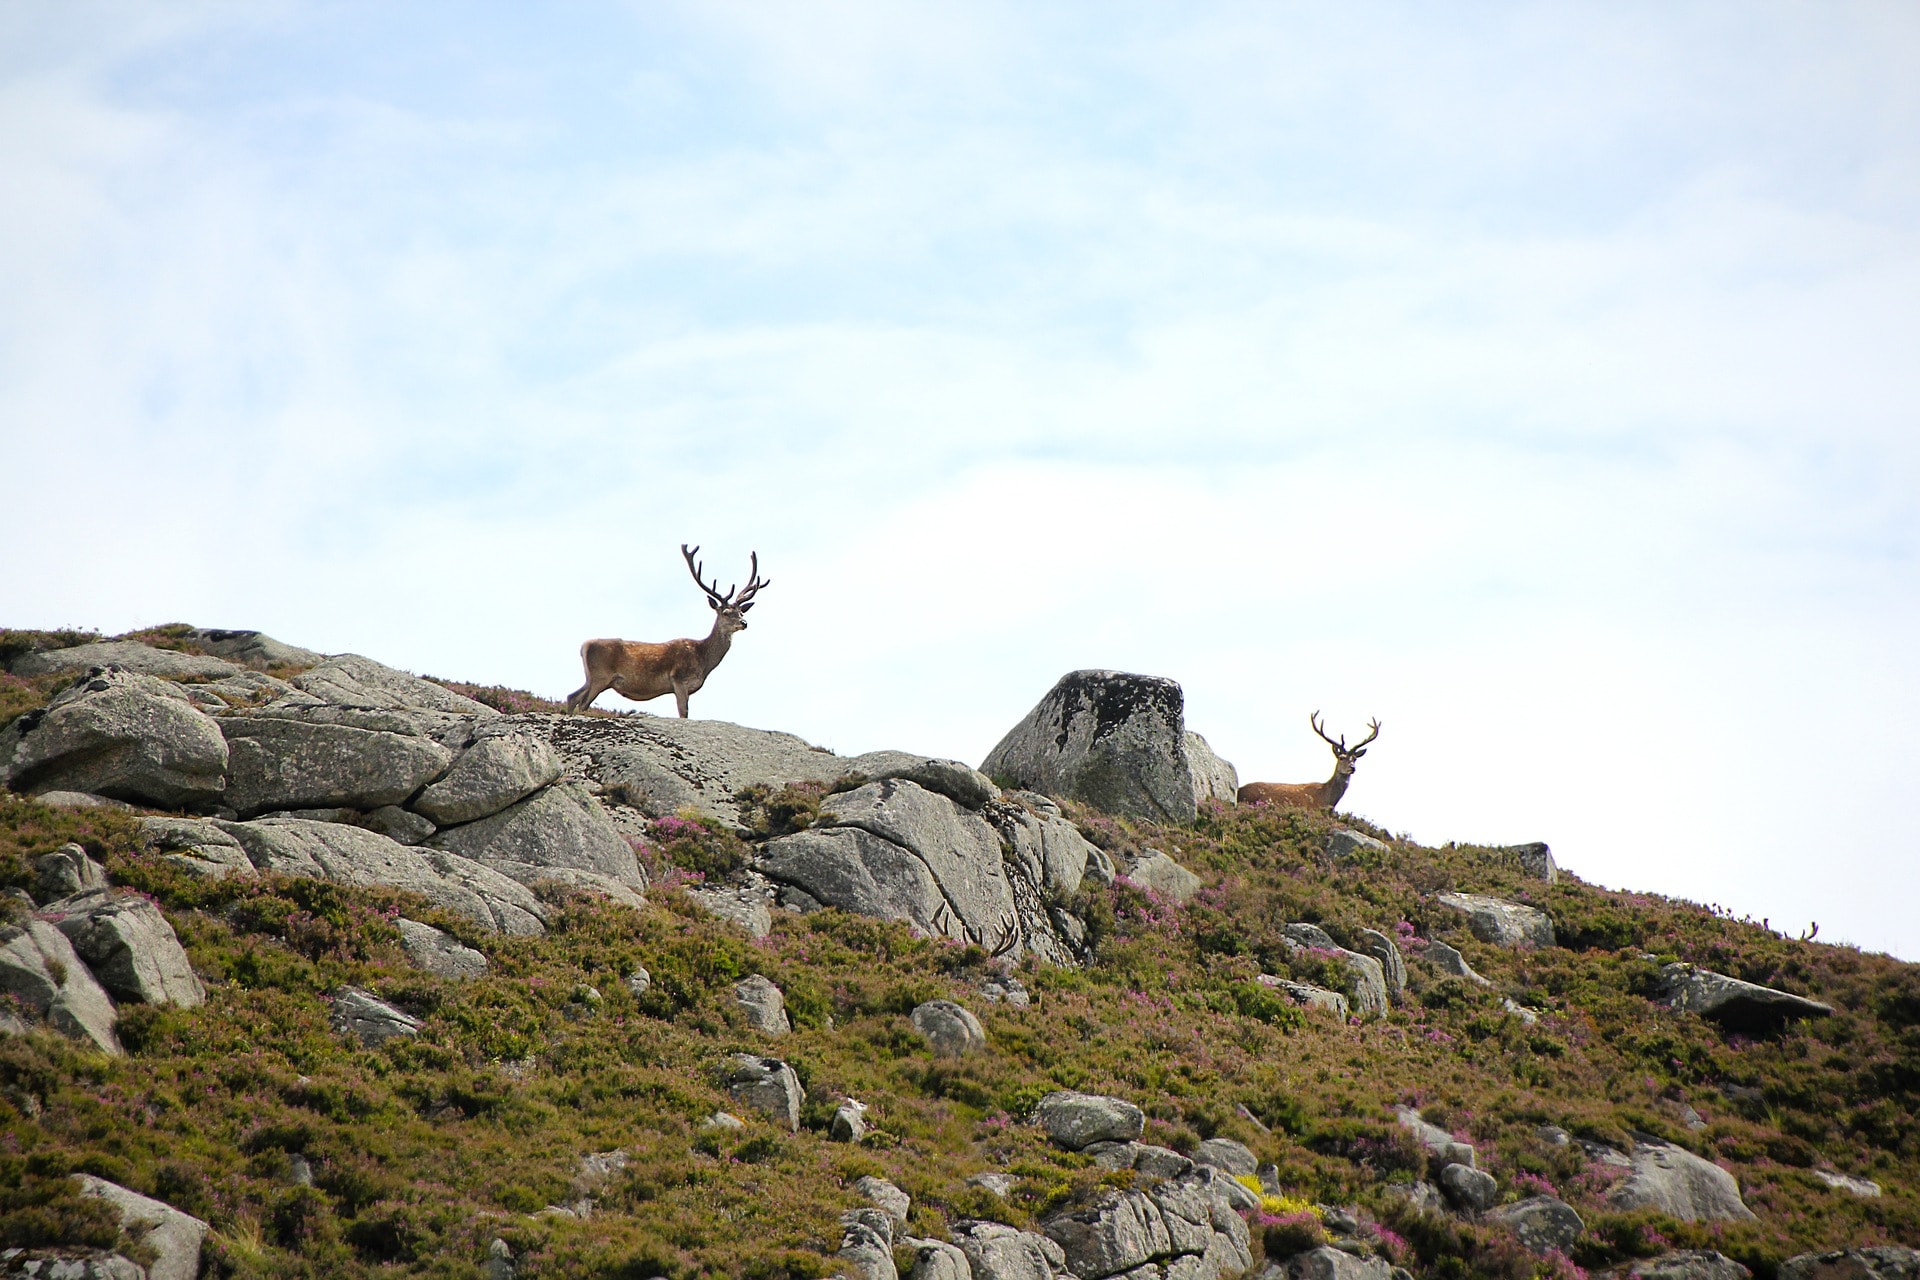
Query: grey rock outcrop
[[1471, 1189], [768, 1085], [937, 1260], [1077, 1120], [764, 1006], [369, 1019], [349, 680], [1184, 1225], [396, 824], [883, 1195], [130, 948], [866, 1246], [349, 855], [1735, 1005], [1678, 1183], [747, 907], [950, 1029], [285, 760], [1442, 1147], [1450, 962], [1687, 1264], [560, 826], [1502, 923], [128, 655], [66, 871], [1884, 1262], [174, 1237], [1213, 778], [499, 769], [995, 1251], [1112, 740], [1328, 1263], [118, 734], [197, 846], [1156, 871], [1862, 1187], [255, 649], [40, 967], [1393, 966], [1051, 850], [1541, 1223], [1308, 995], [1344, 843], [1231, 1158], [1536, 859], [1366, 985], [439, 952], [65, 1264]]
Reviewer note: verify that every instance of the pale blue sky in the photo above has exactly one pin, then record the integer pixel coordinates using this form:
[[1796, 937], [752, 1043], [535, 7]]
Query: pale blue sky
[[1537, 378]]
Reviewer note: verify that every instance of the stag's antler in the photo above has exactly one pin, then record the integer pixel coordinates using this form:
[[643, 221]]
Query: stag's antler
[[718, 601], [1341, 746], [1371, 724], [754, 583]]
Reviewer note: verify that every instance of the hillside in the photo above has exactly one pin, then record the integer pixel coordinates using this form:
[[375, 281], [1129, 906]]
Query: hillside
[[567, 978]]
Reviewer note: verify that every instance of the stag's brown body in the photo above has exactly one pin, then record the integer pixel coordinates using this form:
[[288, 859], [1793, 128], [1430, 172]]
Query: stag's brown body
[[642, 671], [1313, 795]]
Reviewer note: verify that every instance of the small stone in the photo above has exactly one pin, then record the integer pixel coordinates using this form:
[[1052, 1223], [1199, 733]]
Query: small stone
[[1502, 923], [1000, 1184], [438, 952], [723, 1120], [763, 1004], [1689, 1264], [1470, 1188], [1852, 1186], [370, 1020], [299, 1171], [1452, 963], [638, 981], [1343, 844], [1542, 1223], [849, 1122]]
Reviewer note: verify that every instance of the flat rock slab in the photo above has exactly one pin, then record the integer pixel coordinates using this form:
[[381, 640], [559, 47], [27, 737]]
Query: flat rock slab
[[1502, 923], [368, 1019], [1110, 739], [174, 1237], [1736, 1005], [1885, 1262], [1441, 1146], [349, 680], [886, 1197], [130, 947], [1344, 844], [280, 762], [118, 734], [40, 967], [1308, 995], [255, 649], [1077, 1120], [349, 855], [1680, 1184], [129, 655]]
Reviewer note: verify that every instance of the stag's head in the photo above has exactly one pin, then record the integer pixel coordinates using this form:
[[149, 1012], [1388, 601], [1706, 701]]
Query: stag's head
[[730, 608], [1344, 755]]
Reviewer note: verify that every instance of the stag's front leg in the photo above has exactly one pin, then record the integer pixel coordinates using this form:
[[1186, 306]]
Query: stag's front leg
[[680, 695]]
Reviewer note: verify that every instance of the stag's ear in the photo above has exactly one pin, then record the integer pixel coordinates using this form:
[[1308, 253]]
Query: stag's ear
[[713, 604], [748, 605], [1362, 751]]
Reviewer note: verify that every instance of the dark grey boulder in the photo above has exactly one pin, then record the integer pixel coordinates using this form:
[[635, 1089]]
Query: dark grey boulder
[[283, 761], [950, 1029], [1735, 1005], [1077, 1120], [1502, 923], [66, 871], [130, 947], [255, 649], [40, 967], [763, 1004], [1687, 1264], [496, 771], [369, 1019], [118, 734], [349, 680], [1109, 739], [1680, 1184], [558, 826], [849, 1122], [1541, 1223], [1882, 1262], [439, 952], [1536, 859], [174, 1237], [351, 855], [1393, 966], [768, 1085], [128, 655], [1469, 1188]]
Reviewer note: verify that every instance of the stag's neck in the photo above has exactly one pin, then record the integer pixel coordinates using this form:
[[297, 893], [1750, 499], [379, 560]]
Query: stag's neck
[[715, 646], [1333, 788]]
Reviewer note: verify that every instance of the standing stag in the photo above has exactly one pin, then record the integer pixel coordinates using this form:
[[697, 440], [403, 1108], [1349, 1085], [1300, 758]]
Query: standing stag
[[1314, 795], [641, 671]]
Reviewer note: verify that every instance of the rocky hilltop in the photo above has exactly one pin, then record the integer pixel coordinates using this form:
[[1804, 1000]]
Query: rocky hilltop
[[318, 967]]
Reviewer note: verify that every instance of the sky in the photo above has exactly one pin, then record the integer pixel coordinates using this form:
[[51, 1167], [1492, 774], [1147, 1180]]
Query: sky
[[1538, 379]]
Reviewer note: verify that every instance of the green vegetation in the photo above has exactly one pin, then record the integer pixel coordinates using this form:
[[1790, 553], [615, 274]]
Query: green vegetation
[[425, 1150]]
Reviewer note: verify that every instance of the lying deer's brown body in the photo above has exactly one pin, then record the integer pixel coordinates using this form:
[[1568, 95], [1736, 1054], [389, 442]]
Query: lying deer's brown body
[[1313, 795], [642, 671]]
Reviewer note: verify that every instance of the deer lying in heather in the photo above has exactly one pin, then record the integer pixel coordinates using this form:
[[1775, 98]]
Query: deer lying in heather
[[1314, 795], [642, 671]]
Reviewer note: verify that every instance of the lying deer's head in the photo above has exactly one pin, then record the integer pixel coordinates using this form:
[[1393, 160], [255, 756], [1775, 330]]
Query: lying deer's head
[[732, 611]]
